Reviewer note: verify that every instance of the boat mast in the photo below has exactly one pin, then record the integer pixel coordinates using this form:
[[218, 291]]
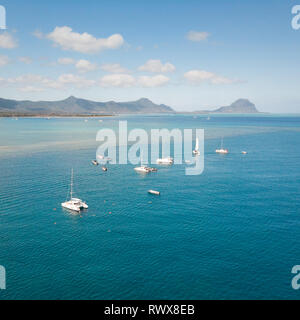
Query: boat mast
[[72, 184], [197, 144]]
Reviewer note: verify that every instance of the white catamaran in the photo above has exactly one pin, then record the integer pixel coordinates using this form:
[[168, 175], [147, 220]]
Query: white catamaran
[[222, 150], [74, 204], [144, 168]]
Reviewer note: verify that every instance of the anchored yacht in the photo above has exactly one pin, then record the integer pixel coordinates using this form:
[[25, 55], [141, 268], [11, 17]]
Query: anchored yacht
[[222, 150], [74, 204], [143, 169]]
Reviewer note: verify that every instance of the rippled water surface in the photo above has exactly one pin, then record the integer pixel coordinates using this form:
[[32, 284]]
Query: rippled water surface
[[231, 233]]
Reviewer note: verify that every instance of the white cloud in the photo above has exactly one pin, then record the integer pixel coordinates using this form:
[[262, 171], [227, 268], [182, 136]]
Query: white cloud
[[84, 43], [117, 80], [3, 82], [4, 60], [35, 83], [223, 80], [197, 36], [114, 68], [126, 81], [25, 79], [38, 34], [85, 66], [66, 61], [81, 65], [201, 76], [71, 79], [7, 41], [31, 89], [156, 81], [26, 60], [156, 66]]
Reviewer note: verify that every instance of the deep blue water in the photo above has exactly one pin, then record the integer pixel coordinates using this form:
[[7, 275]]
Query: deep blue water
[[231, 233]]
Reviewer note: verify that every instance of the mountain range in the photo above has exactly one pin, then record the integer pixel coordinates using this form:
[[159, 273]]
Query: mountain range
[[74, 106]]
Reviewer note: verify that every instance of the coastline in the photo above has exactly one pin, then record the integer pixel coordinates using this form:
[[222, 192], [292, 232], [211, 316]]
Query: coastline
[[39, 116]]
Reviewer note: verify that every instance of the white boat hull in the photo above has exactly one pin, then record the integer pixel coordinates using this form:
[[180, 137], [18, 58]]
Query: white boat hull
[[71, 207], [142, 170], [75, 205], [166, 161], [222, 151], [156, 193]]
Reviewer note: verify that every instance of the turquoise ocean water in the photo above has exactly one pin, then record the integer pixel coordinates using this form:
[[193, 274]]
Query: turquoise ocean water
[[231, 233]]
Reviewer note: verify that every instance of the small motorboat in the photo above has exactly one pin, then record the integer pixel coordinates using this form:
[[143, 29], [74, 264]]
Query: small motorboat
[[244, 152], [156, 193], [167, 161], [142, 169], [145, 169], [104, 169], [103, 158], [95, 163]]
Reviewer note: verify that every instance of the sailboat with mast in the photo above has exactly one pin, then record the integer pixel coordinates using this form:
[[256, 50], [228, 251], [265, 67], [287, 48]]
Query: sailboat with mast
[[74, 204], [222, 150], [197, 151]]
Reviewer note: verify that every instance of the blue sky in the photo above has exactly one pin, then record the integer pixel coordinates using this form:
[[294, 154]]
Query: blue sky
[[188, 54]]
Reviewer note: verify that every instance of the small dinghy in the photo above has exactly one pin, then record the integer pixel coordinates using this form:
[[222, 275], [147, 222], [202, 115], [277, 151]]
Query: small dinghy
[[156, 193], [95, 163], [104, 169]]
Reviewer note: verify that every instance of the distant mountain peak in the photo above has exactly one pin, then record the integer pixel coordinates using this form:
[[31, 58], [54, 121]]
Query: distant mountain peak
[[71, 98], [144, 100], [239, 106]]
